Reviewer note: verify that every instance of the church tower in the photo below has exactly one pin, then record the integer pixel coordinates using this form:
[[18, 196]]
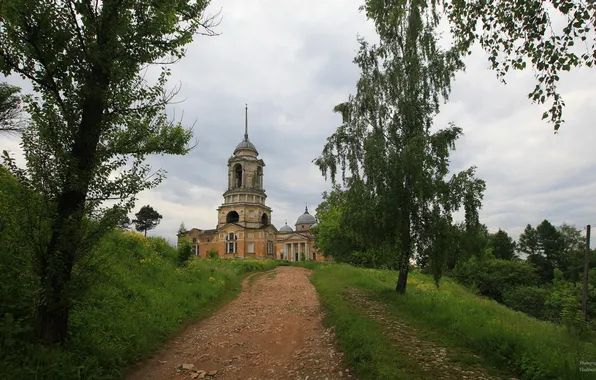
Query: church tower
[[244, 199]]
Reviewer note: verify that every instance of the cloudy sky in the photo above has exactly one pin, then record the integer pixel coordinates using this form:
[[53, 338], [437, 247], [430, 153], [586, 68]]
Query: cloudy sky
[[291, 61]]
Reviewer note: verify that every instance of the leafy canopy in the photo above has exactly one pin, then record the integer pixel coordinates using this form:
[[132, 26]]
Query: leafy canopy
[[147, 219]]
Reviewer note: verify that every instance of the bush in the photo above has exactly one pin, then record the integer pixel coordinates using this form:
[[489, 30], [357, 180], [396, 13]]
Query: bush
[[527, 299], [213, 254], [493, 277], [184, 251]]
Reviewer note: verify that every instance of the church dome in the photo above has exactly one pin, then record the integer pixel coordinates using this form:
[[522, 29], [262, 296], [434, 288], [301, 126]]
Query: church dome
[[246, 144], [286, 229], [306, 218]]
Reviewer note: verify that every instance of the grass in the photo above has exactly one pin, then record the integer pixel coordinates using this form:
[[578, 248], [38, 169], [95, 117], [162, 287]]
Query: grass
[[138, 299], [504, 339]]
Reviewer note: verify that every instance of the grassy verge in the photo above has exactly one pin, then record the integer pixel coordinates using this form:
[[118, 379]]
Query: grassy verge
[[508, 340], [138, 298]]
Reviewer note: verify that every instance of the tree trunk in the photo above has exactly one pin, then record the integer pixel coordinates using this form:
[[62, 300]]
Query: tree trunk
[[404, 264], [145, 232]]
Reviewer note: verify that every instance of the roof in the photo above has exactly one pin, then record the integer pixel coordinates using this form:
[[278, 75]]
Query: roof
[[246, 144], [306, 218]]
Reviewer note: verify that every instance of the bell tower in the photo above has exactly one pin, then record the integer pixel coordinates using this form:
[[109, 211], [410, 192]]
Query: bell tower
[[244, 199]]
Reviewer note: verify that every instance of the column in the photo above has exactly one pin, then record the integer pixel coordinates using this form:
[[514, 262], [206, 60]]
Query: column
[[307, 253]]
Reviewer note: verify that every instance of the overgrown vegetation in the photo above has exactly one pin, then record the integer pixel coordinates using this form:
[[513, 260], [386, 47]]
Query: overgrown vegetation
[[450, 314], [135, 295]]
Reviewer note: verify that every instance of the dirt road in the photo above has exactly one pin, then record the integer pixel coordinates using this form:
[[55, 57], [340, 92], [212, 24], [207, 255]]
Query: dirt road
[[273, 330]]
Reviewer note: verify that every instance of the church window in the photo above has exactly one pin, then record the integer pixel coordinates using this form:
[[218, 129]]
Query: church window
[[269, 247], [238, 175], [231, 244], [259, 177], [251, 247], [194, 240]]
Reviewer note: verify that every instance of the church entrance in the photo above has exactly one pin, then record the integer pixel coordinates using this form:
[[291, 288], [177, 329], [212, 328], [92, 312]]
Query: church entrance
[[296, 256]]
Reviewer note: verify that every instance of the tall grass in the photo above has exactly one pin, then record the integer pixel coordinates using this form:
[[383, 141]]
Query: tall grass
[[510, 340], [137, 297]]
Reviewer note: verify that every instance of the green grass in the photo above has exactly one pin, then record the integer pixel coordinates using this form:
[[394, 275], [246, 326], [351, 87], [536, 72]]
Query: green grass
[[510, 341], [138, 299]]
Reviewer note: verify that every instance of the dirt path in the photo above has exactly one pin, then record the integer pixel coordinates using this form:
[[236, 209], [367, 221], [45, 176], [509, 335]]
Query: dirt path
[[273, 330]]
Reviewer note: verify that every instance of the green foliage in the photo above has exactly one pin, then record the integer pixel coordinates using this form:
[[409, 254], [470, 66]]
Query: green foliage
[[135, 279], [10, 108], [528, 241], [18, 284], [147, 219], [521, 34], [399, 191], [184, 251], [494, 277], [510, 340], [213, 254], [503, 246], [527, 299]]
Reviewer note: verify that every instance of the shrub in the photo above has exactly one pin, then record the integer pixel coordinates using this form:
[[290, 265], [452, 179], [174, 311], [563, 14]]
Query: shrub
[[184, 251], [213, 254], [493, 277], [527, 299]]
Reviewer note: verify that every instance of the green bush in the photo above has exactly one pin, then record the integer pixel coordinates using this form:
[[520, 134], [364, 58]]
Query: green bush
[[213, 254], [184, 251], [493, 277], [527, 299]]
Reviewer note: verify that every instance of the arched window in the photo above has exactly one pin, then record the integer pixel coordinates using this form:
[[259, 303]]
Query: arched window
[[265, 220], [259, 177], [232, 217], [238, 175]]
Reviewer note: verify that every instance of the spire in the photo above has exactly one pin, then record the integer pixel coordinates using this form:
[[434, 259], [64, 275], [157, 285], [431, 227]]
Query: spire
[[246, 122], [306, 209], [286, 222]]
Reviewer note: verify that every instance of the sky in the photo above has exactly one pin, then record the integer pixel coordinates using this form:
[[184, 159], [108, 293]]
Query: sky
[[291, 61]]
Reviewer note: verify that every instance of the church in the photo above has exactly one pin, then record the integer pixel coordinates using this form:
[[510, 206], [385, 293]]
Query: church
[[244, 228]]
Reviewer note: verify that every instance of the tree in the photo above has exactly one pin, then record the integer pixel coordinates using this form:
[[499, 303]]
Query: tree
[[10, 108], [182, 230], [385, 141], [124, 223], [147, 219], [528, 241], [517, 35], [551, 244], [503, 245], [94, 121]]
